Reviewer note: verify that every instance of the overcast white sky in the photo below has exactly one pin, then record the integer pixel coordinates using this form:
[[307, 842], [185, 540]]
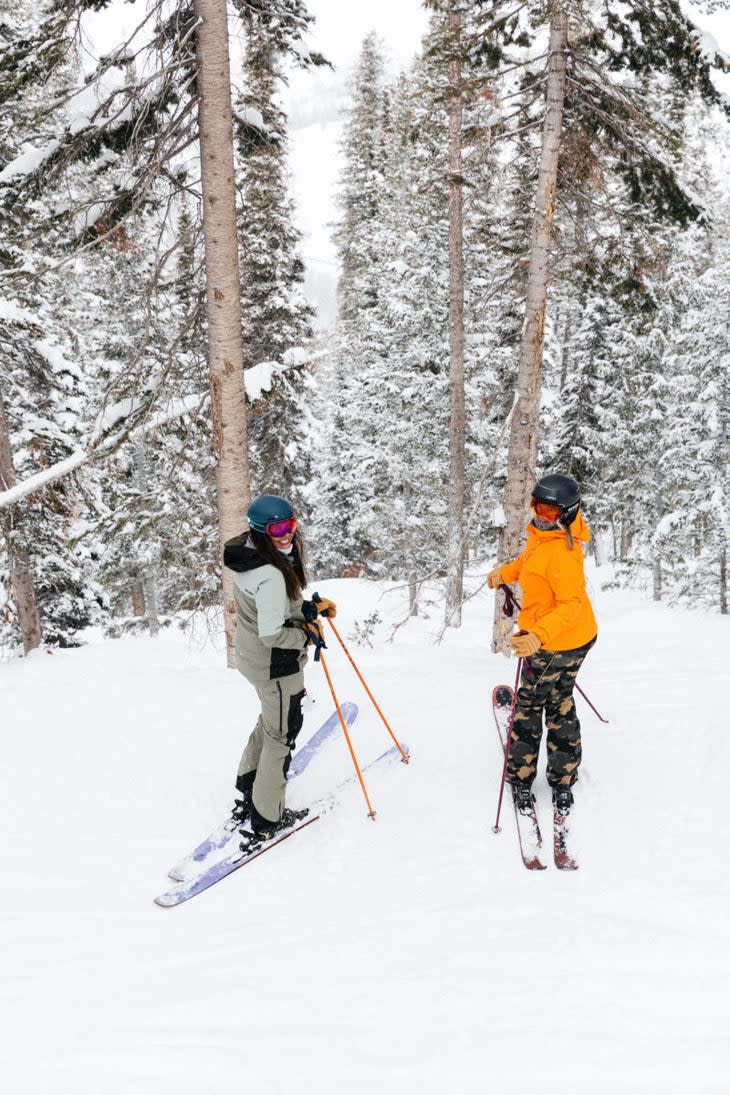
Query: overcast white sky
[[342, 24]]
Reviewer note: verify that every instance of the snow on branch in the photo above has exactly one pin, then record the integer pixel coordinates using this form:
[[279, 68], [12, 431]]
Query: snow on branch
[[42, 479], [260, 378], [101, 444]]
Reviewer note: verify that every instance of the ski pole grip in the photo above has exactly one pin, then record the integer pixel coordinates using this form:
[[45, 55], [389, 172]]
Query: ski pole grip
[[309, 611], [316, 600]]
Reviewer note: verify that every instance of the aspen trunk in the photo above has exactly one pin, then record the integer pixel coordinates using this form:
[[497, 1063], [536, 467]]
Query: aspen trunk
[[22, 590], [225, 347], [523, 437], [455, 564]]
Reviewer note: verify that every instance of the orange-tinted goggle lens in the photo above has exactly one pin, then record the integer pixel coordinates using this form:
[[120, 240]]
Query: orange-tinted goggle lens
[[546, 511]]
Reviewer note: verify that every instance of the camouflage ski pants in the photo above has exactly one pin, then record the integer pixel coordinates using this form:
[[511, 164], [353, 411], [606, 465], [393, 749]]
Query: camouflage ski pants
[[547, 685]]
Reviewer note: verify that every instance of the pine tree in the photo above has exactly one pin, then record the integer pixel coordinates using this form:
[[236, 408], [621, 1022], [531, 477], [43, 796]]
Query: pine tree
[[275, 315], [124, 158], [597, 107], [347, 487], [690, 541], [43, 387]]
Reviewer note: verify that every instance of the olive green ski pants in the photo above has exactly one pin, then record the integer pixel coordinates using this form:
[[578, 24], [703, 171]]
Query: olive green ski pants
[[268, 750]]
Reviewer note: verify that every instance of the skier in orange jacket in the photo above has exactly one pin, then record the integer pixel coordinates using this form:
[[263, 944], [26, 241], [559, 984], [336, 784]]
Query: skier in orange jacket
[[557, 629]]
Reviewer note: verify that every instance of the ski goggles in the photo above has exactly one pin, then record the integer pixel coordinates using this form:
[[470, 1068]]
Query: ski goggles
[[546, 511], [277, 529]]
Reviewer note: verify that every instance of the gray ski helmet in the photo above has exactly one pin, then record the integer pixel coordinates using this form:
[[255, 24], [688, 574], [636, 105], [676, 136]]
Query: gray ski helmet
[[559, 490], [266, 509]]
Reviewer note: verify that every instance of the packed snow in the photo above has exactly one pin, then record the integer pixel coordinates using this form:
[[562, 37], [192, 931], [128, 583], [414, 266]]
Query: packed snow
[[413, 953]]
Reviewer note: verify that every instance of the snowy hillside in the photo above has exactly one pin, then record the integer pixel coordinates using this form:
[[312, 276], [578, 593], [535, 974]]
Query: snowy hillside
[[409, 954]]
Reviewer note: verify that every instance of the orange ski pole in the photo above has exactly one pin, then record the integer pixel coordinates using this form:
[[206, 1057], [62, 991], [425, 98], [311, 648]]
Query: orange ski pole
[[404, 758], [371, 812]]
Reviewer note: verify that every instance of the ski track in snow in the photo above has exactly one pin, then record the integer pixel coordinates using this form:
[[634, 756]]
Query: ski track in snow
[[413, 953]]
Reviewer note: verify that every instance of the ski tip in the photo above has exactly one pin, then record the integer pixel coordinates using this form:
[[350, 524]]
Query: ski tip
[[502, 696], [166, 901]]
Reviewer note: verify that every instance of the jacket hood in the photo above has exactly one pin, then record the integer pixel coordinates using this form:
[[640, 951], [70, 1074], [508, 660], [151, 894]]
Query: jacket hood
[[239, 556], [580, 530]]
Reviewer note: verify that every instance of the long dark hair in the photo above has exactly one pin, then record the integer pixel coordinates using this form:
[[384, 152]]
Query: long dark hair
[[291, 566]]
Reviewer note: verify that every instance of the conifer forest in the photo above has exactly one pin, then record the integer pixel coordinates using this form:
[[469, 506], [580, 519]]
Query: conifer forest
[[533, 232]]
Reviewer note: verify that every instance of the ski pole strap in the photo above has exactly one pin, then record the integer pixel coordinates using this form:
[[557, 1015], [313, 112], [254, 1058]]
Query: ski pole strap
[[316, 640], [510, 601]]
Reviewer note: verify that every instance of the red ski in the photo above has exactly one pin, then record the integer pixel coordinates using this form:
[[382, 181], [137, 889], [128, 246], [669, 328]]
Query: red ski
[[561, 831]]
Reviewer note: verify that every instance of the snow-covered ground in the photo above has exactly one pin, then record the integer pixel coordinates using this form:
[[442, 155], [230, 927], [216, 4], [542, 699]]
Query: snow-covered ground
[[409, 954]]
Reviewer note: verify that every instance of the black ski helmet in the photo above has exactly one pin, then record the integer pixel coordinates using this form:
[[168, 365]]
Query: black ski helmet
[[266, 509], [559, 490]]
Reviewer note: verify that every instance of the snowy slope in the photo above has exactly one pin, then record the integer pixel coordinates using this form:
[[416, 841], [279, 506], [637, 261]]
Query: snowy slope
[[409, 954]]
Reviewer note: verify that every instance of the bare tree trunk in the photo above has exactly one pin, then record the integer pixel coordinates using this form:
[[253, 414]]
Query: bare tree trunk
[[413, 588], [149, 577], [225, 347], [22, 590], [723, 583], [138, 608], [657, 580], [455, 564], [523, 437]]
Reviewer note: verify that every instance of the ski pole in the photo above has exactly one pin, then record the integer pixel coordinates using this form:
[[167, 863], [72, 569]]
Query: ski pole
[[316, 597], [509, 601], [593, 709], [496, 828], [371, 812]]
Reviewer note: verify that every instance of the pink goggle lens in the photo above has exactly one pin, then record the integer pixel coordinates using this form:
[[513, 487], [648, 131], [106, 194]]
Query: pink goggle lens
[[277, 529]]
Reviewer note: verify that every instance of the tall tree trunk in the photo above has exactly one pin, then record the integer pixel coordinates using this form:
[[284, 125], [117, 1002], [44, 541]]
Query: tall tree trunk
[[455, 565], [138, 607], [523, 437], [225, 346], [723, 583], [149, 576], [22, 590]]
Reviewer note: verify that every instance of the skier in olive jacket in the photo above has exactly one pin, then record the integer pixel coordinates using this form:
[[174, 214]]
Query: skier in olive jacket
[[271, 639], [557, 629]]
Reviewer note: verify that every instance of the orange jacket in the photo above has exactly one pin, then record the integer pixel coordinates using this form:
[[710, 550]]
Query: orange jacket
[[555, 605]]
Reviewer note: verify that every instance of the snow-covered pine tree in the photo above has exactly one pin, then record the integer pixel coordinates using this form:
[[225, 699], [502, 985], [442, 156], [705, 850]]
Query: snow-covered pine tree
[[144, 124], [346, 489], [275, 315], [690, 541], [404, 395], [614, 405], [43, 387], [602, 46], [147, 360]]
